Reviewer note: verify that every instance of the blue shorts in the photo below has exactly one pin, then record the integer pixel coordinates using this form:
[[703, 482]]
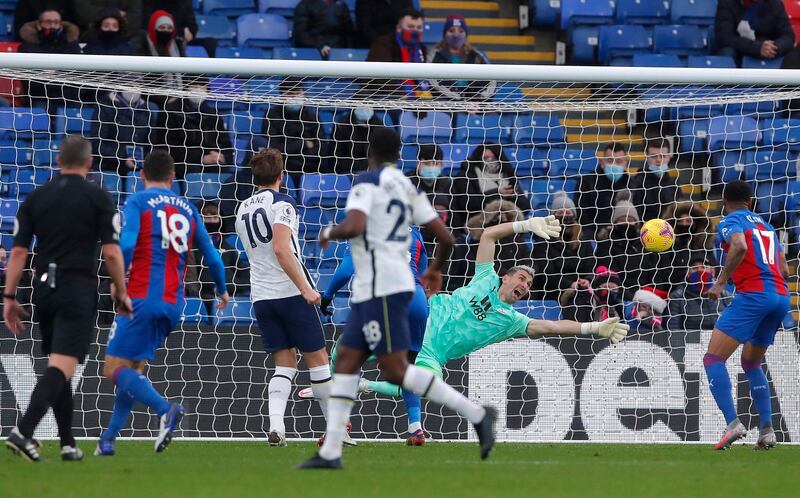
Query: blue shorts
[[289, 322], [379, 325], [754, 317], [139, 337], [417, 318]]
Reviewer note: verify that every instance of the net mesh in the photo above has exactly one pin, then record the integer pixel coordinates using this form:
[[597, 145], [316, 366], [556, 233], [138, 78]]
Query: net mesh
[[533, 149]]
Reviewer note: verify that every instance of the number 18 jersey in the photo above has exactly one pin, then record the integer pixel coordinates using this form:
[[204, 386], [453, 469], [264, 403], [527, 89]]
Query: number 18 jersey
[[255, 218]]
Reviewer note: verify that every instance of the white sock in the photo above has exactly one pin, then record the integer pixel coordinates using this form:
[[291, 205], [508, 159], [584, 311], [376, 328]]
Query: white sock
[[321, 386], [414, 427], [425, 384], [280, 386], [344, 389]]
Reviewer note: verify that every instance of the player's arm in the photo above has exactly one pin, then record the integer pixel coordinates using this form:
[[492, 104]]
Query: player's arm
[[340, 278], [23, 236], [432, 278], [354, 224], [610, 328], [737, 249], [784, 265], [213, 259], [282, 245], [545, 227], [130, 231], [109, 230]]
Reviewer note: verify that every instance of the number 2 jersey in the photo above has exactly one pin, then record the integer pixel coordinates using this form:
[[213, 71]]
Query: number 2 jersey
[[380, 255], [760, 271], [159, 230], [255, 219]]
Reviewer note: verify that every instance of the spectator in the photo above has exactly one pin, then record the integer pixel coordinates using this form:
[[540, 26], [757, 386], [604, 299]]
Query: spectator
[[294, 129], [185, 21], [755, 28], [561, 262], [195, 133], [109, 35], [162, 42], [375, 18], [596, 299], [596, 191], [691, 238], [645, 313], [689, 308], [456, 49], [654, 190], [30, 10], [427, 177], [237, 188], [351, 138], [123, 131], [87, 11], [485, 176], [323, 24]]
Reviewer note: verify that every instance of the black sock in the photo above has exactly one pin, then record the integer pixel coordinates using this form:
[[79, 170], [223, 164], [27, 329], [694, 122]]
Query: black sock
[[46, 392], [62, 410]]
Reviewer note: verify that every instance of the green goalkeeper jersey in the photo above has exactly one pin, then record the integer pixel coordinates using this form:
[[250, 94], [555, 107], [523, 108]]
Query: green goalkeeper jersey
[[471, 318]]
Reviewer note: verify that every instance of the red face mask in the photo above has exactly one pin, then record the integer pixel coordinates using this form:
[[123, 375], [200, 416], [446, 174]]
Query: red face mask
[[411, 36]]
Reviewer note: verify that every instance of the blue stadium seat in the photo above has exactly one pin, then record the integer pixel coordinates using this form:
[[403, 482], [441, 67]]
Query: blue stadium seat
[[331, 88], [204, 185], [348, 54], [16, 154], [283, 8], [584, 41], [700, 12], [229, 8], [29, 178], [753, 63], [657, 60], [6, 241], [621, 41], [539, 310], [736, 164], [336, 250], [775, 164], [720, 61], [194, 311], [586, 12], [196, 51], [780, 132], [545, 12], [8, 212], [481, 128], [244, 123], [692, 134], [773, 201], [70, 120], [572, 161], [646, 12], [341, 310], [6, 27], [509, 93], [528, 161], [263, 31], [434, 127], [326, 190], [539, 129], [541, 190], [732, 132], [683, 40], [238, 312], [297, 54], [239, 53], [112, 182], [219, 27], [454, 155], [23, 122], [432, 32], [762, 103]]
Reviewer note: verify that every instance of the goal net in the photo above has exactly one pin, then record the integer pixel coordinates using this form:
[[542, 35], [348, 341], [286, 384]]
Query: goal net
[[604, 149]]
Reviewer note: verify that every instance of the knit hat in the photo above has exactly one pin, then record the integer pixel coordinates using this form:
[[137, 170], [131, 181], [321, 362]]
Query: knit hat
[[602, 275], [164, 19], [561, 200], [652, 296], [455, 20], [624, 207]]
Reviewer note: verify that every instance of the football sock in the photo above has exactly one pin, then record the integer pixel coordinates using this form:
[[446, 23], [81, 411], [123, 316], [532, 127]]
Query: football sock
[[280, 386], [344, 390], [720, 384], [321, 386], [424, 383], [46, 392], [62, 410], [413, 404], [759, 391], [140, 389], [385, 388], [123, 405]]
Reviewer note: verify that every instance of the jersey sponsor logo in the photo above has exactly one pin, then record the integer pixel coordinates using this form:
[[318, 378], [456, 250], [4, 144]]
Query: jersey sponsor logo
[[479, 309]]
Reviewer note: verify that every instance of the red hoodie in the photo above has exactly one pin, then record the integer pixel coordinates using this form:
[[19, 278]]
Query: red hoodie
[[151, 26]]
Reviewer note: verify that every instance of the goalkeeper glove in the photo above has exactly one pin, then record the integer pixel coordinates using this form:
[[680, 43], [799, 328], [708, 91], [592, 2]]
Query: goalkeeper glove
[[545, 227], [325, 307], [610, 328]]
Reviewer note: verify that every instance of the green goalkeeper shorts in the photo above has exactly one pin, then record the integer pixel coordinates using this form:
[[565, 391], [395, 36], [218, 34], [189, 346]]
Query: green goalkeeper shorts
[[428, 363]]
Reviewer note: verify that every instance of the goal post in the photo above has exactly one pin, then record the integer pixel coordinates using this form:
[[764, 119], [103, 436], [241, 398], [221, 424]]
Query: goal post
[[528, 150]]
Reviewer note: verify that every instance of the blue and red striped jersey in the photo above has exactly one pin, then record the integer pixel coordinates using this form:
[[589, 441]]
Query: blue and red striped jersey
[[159, 229], [419, 256], [760, 271]]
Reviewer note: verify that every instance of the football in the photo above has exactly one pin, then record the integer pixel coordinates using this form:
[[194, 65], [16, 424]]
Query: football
[[657, 235]]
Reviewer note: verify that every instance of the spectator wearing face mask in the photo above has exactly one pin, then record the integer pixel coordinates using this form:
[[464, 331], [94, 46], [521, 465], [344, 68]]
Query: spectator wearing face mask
[[375, 18], [561, 262], [185, 21], [645, 313], [456, 49], [691, 237], [161, 41], [351, 138], [689, 308], [655, 192], [323, 24], [87, 11], [123, 130], [109, 35], [428, 178], [487, 175], [596, 299], [596, 191], [30, 10]]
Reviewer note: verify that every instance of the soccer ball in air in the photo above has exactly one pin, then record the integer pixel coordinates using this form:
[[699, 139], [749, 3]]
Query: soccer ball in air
[[657, 235]]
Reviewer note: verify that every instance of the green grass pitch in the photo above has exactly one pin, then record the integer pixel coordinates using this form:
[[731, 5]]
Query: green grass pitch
[[388, 470]]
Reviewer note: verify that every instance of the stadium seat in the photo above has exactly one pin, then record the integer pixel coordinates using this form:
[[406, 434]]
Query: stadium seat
[[244, 123], [683, 40], [541, 190], [621, 41], [112, 182], [693, 93], [15, 154], [348, 54], [753, 63], [586, 12], [481, 128], [647, 12], [6, 241], [539, 310], [773, 201], [78, 120], [197, 51], [761, 104], [26, 179], [692, 135], [545, 12], [8, 46], [657, 60], [539, 129], [238, 312], [700, 12], [204, 185], [432, 32], [732, 132], [228, 8], [283, 8], [331, 89], [454, 155], [583, 40], [720, 61], [298, 54], [336, 250], [23, 122], [775, 164], [509, 92], [341, 310], [219, 27], [431, 127], [736, 164], [194, 311], [263, 31], [780, 132], [571, 161], [325, 190], [528, 161], [239, 53], [8, 213]]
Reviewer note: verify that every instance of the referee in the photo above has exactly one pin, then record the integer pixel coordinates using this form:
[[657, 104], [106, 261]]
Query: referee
[[68, 216]]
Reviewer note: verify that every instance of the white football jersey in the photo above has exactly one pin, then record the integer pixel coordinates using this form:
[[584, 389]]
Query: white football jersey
[[255, 218], [380, 255]]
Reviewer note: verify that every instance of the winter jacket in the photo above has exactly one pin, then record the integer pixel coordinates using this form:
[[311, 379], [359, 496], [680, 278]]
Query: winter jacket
[[375, 18], [690, 311], [622, 251], [351, 140], [653, 193], [66, 44], [119, 46], [460, 89], [290, 134], [192, 132], [318, 23], [595, 198], [120, 127], [181, 10], [559, 264], [771, 23], [87, 11], [29, 10]]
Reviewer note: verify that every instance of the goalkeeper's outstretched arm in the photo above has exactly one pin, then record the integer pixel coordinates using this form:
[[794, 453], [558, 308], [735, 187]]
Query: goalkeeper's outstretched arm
[[545, 227], [610, 329]]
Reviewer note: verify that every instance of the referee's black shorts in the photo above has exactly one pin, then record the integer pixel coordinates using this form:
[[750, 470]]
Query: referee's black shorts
[[67, 315]]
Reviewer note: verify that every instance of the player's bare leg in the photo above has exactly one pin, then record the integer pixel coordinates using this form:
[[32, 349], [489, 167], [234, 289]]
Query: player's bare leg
[[752, 356], [720, 348]]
